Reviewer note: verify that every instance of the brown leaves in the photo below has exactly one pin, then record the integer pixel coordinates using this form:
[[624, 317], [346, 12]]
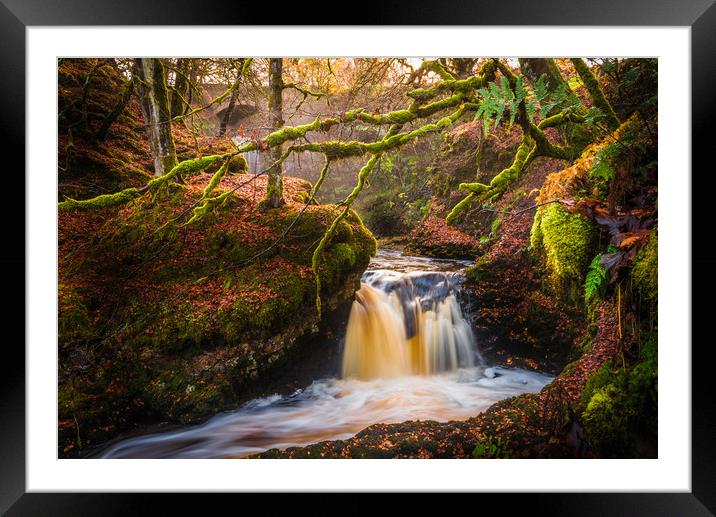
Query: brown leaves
[[434, 237], [628, 230]]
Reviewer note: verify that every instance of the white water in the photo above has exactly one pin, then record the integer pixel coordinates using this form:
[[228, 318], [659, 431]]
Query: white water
[[413, 303]]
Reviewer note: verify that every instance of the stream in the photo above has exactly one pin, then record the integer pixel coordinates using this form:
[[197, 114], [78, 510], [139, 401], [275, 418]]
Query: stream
[[408, 354]]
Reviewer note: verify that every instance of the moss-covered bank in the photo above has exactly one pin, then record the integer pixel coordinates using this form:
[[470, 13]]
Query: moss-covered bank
[[162, 321]]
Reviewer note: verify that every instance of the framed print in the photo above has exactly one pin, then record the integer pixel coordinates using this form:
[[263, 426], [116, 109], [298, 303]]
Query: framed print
[[275, 258]]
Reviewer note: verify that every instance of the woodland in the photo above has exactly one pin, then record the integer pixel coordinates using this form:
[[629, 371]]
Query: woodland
[[357, 257]]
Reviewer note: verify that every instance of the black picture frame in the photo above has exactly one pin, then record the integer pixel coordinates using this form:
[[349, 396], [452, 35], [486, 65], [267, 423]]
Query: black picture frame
[[699, 15]]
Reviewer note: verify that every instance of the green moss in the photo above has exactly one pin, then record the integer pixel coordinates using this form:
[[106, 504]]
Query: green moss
[[238, 164], [483, 270], [394, 117], [341, 257], [507, 176], [104, 201], [498, 185], [495, 227], [536, 232], [187, 168], [565, 240], [461, 207], [644, 272], [286, 133], [604, 419], [620, 404]]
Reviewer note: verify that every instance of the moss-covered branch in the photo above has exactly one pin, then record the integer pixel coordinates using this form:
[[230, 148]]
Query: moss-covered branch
[[545, 147], [336, 149], [208, 205], [600, 101], [320, 180], [216, 178], [187, 167], [560, 118], [436, 67], [104, 201], [486, 74], [479, 192]]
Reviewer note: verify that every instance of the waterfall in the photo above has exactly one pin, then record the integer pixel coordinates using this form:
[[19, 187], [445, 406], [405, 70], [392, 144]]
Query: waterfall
[[407, 324]]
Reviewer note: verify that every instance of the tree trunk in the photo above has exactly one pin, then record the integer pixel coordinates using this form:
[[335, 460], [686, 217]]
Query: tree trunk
[[118, 109], [274, 184], [153, 92], [534, 68], [178, 106], [232, 100]]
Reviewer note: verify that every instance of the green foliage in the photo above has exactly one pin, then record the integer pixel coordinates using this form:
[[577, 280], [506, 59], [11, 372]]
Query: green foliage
[[493, 449], [602, 172], [596, 281], [544, 101], [494, 100], [595, 285]]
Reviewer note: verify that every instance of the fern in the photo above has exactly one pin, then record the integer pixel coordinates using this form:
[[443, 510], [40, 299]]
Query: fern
[[539, 94], [520, 95], [597, 278], [594, 114], [602, 171], [498, 98], [596, 281]]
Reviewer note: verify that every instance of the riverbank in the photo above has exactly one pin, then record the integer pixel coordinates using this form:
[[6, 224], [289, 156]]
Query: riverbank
[[375, 381], [160, 321]]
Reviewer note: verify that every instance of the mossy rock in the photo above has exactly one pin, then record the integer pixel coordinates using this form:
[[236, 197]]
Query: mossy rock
[[565, 240]]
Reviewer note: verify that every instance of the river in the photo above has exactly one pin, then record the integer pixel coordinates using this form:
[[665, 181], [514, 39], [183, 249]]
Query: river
[[408, 354]]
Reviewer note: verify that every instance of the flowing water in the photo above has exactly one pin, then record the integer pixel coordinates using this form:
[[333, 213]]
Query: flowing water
[[409, 354]]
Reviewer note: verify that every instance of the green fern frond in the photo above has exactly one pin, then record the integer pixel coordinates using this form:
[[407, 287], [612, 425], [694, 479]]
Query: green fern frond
[[595, 283]]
